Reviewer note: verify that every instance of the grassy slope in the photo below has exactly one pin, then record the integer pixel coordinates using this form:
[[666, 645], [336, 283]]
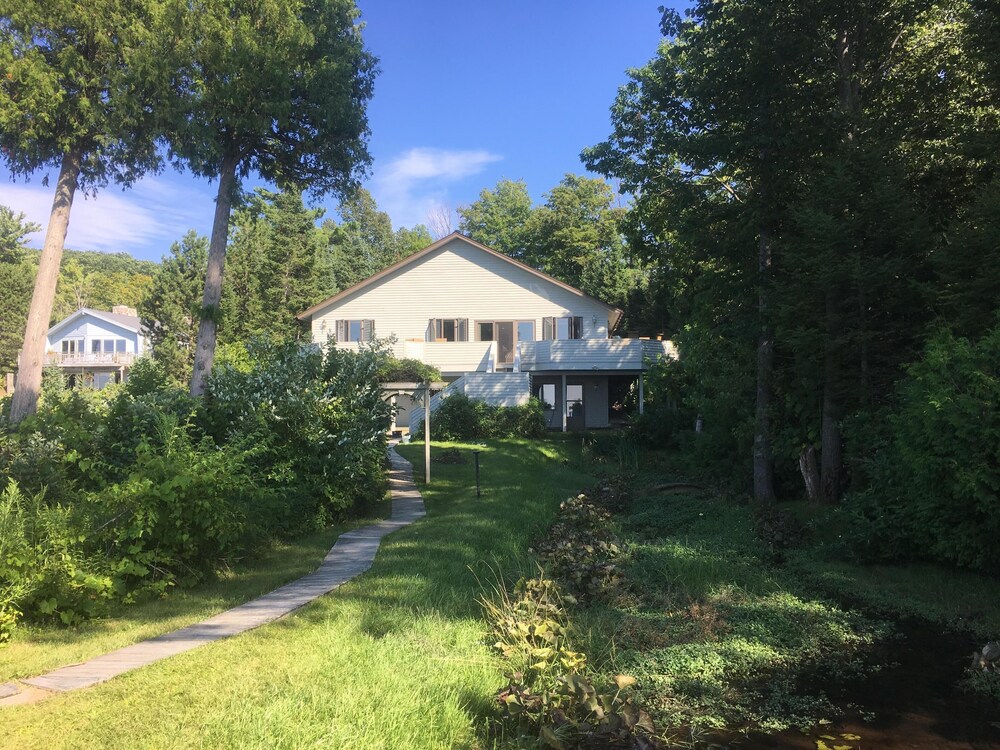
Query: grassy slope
[[392, 659]]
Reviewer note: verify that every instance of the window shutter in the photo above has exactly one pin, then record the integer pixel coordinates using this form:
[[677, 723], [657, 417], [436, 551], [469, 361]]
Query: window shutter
[[367, 330], [463, 329], [548, 328], [341, 331], [432, 329], [577, 332]]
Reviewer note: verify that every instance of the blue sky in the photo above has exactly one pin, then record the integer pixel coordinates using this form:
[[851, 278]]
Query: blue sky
[[469, 92]]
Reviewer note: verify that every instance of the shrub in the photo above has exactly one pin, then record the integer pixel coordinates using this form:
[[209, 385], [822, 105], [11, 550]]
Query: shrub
[[109, 495], [934, 477], [392, 370], [462, 418]]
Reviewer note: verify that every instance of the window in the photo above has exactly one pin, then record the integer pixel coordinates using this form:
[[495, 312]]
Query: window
[[547, 395], [574, 400], [72, 346], [562, 328], [526, 330], [448, 329], [355, 330], [95, 346], [484, 331], [120, 346]]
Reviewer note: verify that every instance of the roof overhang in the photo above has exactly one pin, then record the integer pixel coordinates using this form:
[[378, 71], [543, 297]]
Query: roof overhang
[[94, 314]]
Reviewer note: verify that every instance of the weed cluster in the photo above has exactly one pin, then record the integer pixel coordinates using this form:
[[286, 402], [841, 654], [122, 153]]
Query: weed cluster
[[552, 698], [580, 550]]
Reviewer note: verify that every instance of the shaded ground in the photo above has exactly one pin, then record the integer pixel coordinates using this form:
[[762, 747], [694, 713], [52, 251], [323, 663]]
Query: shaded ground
[[720, 630], [914, 701]]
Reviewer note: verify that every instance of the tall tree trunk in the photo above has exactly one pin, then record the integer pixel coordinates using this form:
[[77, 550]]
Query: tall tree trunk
[[204, 354], [763, 458], [810, 473], [831, 446], [29, 370]]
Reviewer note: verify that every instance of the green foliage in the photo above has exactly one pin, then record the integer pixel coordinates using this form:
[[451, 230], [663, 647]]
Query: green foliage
[[272, 266], [462, 418], [124, 493], [364, 242], [580, 551], [395, 370], [498, 217], [934, 478], [82, 79], [551, 700], [792, 200], [169, 311], [17, 279], [715, 635], [314, 422], [575, 235], [299, 118]]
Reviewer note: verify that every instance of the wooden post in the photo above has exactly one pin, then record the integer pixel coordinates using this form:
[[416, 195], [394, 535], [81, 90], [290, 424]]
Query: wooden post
[[565, 406], [642, 395], [427, 433]]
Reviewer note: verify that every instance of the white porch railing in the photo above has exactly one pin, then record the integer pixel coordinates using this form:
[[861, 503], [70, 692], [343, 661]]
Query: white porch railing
[[592, 354], [84, 359]]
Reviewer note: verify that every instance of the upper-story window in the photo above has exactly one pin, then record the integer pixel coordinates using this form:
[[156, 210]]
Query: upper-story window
[[355, 330], [448, 329], [107, 346], [570, 327]]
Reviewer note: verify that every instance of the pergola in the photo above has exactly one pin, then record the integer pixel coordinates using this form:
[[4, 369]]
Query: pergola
[[419, 391]]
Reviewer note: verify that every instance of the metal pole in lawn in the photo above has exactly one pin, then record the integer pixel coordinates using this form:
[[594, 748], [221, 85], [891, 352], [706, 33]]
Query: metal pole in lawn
[[427, 432], [476, 454]]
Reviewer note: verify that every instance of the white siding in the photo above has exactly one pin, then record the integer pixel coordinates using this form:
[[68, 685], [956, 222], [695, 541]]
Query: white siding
[[89, 328], [498, 388], [458, 281]]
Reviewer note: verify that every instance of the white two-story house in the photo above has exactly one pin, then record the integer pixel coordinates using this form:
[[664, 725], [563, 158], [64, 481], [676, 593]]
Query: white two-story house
[[497, 329], [96, 347]]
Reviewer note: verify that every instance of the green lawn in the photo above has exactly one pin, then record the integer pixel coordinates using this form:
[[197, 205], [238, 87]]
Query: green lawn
[[393, 659], [34, 650]]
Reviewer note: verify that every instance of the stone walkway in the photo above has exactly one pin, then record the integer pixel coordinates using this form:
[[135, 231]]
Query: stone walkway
[[352, 555]]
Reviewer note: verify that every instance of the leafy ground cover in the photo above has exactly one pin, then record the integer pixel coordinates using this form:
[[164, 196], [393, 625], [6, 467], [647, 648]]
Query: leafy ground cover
[[396, 658], [721, 628]]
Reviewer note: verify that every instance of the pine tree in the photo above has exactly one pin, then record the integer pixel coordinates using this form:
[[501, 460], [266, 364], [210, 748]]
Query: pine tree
[[169, 312]]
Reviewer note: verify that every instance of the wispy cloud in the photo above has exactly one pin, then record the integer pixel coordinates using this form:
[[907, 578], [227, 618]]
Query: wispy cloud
[[143, 221], [414, 185]]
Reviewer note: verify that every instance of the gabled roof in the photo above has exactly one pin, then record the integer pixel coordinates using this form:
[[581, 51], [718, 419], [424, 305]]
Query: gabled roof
[[129, 322], [615, 318]]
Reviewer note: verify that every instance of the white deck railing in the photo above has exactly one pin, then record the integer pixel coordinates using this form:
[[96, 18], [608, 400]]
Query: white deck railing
[[592, 354], [83, 359]]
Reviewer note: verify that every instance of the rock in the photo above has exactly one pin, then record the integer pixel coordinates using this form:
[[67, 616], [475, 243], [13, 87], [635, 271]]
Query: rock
[[991, 652]]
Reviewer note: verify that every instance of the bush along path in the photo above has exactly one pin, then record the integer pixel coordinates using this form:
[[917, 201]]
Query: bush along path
[[352, 555]]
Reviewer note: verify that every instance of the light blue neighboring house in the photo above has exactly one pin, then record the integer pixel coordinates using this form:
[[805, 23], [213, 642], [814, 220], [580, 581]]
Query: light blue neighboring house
[[96, 347]]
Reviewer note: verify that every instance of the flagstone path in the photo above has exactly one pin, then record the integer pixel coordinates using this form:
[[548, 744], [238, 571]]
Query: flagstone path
[[352, 555]]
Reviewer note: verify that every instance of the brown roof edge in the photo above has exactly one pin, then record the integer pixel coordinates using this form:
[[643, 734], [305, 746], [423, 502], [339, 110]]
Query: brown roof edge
[[436, 245]]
